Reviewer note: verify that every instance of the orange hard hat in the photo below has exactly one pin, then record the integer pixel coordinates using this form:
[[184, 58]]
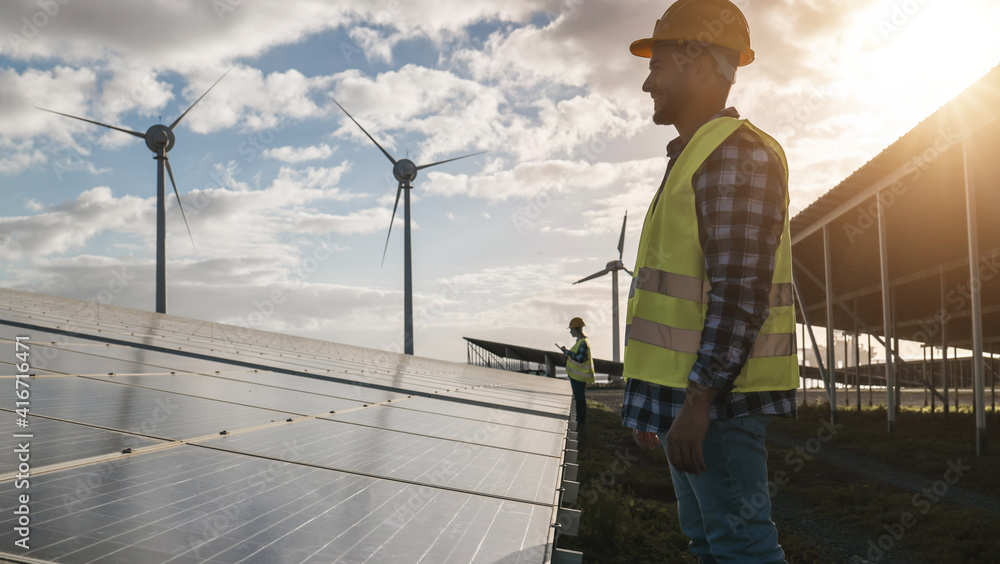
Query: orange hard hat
[[716, 22], [576, 322]]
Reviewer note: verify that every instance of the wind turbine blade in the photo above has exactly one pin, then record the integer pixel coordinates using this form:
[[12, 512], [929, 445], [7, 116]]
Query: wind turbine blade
[[384, 152], [621, 240], [171, 173], [129, 131], [421, 167], [178, 120], [630, 273], [592, 276], [394, 206]]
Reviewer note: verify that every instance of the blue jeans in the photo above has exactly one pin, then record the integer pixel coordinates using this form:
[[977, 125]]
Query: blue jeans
[[580, 397], [726, 510]]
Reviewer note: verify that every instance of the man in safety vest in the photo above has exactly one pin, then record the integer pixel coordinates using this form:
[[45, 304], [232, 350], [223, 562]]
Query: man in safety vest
[[710, 338], [579, 368]]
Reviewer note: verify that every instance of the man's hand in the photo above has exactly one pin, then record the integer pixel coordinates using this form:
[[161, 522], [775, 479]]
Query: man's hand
[[645, 439], [687, 433]]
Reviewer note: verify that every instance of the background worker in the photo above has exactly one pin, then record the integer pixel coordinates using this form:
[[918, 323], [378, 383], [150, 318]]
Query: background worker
[[710, 342], [579, 368]]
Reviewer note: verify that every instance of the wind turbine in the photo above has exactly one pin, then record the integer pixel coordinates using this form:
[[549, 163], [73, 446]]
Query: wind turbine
[[405, 171], [160, 139], [613, 267]]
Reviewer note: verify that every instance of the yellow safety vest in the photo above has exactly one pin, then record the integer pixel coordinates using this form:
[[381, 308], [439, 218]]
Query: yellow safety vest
[[584, 371], [668, 299]]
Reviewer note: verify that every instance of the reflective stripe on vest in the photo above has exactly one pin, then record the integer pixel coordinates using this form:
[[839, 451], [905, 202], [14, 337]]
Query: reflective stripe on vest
[[694, 289], [584, 371], [668, 299]]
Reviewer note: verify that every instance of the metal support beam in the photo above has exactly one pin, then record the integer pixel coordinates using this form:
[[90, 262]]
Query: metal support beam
[[923, 368], [944, 348], [887, 181], [839, 301], [847, 372], [890, 377], [857, 356], [975, 283], [805, 385], [868, 369], [958, 379], [812, 337], [933, 399], [902, 280], [831, 353], [897, 367]]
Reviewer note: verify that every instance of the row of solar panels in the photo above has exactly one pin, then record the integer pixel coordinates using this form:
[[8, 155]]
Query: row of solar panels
[[160, 439]]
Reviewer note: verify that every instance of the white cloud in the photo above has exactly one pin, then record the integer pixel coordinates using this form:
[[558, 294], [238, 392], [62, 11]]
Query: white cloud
[[299, 154], [61, 89], [456, 115], [232, 221], [68, 226], [249, 97], [543, 181], [579, 126], [19, 156], [131, 88], [375, 45]]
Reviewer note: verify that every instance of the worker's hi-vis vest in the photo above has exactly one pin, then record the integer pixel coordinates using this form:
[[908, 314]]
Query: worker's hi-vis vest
[[584, 371], [669, 296]]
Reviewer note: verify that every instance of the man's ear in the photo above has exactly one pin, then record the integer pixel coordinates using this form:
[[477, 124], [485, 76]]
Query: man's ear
[[702, 69]]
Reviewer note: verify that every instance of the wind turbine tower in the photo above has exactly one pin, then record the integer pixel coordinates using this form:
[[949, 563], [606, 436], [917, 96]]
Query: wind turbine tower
[[160, 139], [405, 171], [613, 267]]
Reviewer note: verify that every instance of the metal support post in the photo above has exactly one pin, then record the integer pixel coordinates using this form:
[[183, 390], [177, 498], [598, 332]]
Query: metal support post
[[805, 383], [933, 399], [831, 353], [944, 345], [975, 283], [847, 382], [883, 247], [857, 356], [871, 391], [812, 336]]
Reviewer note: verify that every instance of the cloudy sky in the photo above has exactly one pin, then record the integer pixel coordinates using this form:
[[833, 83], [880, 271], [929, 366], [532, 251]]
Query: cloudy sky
[[289, 203]]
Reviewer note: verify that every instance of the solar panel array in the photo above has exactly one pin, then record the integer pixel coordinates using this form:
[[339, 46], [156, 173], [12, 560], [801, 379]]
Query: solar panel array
[[153, 438]]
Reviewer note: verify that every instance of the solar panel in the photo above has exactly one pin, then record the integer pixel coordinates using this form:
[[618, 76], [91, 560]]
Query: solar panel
[[161, 439]]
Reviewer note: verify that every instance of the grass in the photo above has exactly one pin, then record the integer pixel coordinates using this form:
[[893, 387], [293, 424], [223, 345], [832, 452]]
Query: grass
[[629, 511], [922, 443], [934, 531]]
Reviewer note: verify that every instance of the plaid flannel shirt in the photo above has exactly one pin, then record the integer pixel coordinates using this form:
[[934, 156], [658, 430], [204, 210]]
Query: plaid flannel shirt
[[581, 353], [739, 194]]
